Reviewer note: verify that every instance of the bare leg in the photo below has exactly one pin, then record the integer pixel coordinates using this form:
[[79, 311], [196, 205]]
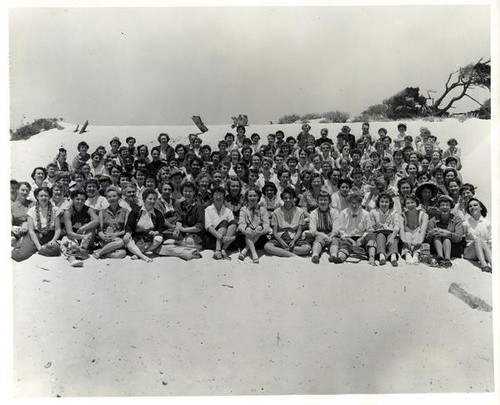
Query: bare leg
[[109, 248], [316, 252], [487, 253], [302, 250], [447, 248], [229, 236], [273, 250], [132, 248], [478, 247], [334, 250], [438, 245], [251, 247]]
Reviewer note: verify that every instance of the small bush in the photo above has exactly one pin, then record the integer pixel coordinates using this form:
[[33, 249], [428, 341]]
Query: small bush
[[288, 119], [311, 116], [335, 116], [37, 126]]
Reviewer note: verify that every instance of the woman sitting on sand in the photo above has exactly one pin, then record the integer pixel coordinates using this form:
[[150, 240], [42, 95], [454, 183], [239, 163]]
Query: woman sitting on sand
[[220, 224], [190, 219], [386, 226], [44, 228], [112, 222], [253, 223], [234, 199], [355, 231], [445, 232], [323, 226], [413, 230], [80, 223], [478, 235], [19, 211], [144, 228], [287, 223]]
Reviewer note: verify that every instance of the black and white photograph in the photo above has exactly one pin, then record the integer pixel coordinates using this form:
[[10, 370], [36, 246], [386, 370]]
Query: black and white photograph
[[272, 200]]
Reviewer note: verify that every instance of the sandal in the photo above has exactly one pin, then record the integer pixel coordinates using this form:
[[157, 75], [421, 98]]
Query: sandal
[[255, 261], [486, 269], [217, 255], [441, 262], [224, 255], [447, 263]]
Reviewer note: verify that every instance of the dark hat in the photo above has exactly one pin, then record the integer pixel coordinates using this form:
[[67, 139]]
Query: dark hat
[[104, 177], [115, 138], [449, 159], [355, 195], [452, 140], [432, 186], [447, 198], [269, 184], [175, 171]]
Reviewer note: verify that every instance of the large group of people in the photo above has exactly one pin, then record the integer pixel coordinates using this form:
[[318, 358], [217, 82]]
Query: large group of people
[[382, 198]]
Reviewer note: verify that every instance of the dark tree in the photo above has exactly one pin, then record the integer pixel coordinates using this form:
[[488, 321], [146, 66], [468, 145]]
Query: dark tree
[[460, 82]]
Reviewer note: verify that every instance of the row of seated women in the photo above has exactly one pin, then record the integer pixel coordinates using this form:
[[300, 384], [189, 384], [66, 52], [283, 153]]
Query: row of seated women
[[145, 231]]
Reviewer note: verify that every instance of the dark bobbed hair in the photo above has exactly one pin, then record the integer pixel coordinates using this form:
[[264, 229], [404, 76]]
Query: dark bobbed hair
[[385, 195], [74, 193], [43, 188], [413, 197], [289, 190], [39, 168], [484, 211], [146, 193]]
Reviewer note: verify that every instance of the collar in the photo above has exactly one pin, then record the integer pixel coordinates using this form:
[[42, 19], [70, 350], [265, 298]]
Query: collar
[[150, 212]]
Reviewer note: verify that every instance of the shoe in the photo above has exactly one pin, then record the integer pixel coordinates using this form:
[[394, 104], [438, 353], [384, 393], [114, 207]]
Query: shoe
[[337, 260], [433, 262], [255, 261], [486, 269], [241, 257], [394, 263], [447, 263], [218, 255], [224, 255], [315, 259], [382, 261], [441, 262], [77, 263], [331, 259]]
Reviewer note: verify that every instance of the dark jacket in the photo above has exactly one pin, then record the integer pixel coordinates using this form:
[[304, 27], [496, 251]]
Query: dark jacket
[[135, 215]]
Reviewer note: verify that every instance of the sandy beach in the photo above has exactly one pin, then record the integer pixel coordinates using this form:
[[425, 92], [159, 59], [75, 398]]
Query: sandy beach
[[286, 326]]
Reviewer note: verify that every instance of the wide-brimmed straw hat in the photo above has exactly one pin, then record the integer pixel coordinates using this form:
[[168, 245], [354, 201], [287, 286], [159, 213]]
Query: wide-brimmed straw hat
[[430, 185]]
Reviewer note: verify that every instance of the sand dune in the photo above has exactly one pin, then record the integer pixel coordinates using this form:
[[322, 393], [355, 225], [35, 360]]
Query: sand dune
[[226, 328]]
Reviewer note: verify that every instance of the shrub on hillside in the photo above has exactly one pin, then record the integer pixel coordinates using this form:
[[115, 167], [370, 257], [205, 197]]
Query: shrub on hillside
[[37, 126], [483, 112], [377, 112], [335, 116], [288, 119], [310, 116]]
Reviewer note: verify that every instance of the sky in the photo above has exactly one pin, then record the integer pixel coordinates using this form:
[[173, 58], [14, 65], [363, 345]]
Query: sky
[[154, 66]]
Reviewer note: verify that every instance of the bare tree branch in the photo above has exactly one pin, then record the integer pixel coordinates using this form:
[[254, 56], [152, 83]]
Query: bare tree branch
[[473, 99]]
